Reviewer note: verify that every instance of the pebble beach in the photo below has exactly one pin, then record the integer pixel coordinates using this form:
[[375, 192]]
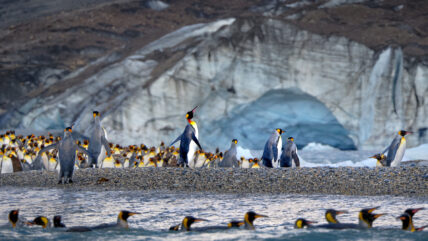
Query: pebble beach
[[399, 181]]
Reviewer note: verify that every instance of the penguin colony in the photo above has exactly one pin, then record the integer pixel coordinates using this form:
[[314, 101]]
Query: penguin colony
[[366, 217], [74, 151]]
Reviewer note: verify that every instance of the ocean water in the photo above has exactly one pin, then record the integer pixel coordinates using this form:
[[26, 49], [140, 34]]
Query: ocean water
[[160, 210]]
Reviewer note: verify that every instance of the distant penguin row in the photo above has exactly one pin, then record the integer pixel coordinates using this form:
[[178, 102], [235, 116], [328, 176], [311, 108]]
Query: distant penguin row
[[65, 154], [366, 217]]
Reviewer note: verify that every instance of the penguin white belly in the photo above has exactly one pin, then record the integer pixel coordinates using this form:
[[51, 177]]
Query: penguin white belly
[[45, 161], [102, 156], [108, 162], [275, 164], [6, 166], [245, 164], [399, 154], [192, 148]]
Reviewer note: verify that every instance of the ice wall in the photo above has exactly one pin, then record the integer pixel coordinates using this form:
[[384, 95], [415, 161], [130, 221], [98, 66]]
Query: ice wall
[[229, 66]]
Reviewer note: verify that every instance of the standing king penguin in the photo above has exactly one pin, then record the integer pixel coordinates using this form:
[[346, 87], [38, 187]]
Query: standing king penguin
[[230, 159], [396, 149], [188, 140], [289, 157], [271, 152], [67, 148], [97, 139]]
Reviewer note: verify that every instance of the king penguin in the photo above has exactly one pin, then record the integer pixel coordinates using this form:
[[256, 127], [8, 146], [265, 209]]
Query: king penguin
[[289, 157], [272, 147], [188, 140], [229, 159], [67, 148], [97, 139], [396, 149]]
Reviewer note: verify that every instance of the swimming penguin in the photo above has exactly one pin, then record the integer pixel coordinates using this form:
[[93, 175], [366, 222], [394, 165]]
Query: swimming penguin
[[407, 223], [249, 218], [41, 221], [15, 220], [272, 148], [396, 149], [188, 140], [67, 148], [97, 139], [229, 159], [289, 157], [57, 222], [302, 223], [122, 223], [187, 223], [366, 217], [381, 159]]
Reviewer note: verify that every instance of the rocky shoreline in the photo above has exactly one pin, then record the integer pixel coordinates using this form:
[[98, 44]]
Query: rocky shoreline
[[402, 181]]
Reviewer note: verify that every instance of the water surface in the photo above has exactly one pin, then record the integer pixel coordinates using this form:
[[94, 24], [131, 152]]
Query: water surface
[[161, 210]]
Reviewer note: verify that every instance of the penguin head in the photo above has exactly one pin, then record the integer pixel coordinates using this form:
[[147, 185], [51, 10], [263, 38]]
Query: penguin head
[[235, 141], [406, 220], [403, 133], [291, 138], [330, 215], [251, 216], [280, 131], [42, 221], [68, 131], [174, 228], [13, 217], [96, 113], [189, 115], [381, 159], [367, 217], [412, 211], [124, 215], [302, 223], [189, 220], [57, 221], [235, 224]]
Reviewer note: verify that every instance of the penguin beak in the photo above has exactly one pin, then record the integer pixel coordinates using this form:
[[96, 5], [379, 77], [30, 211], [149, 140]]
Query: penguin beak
[[260, 216], [341, 212], [401, 217], [311, 222], [408, 132], [200, 220], [194, 109], [132, 214], [378, 215], [416, 210], [372, 209]]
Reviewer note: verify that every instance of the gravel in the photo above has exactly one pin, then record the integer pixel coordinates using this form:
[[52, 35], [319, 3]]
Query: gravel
[[403, 181]]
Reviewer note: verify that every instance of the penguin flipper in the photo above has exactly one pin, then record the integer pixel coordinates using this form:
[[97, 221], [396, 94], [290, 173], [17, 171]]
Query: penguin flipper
[[296, 158], [392, 150], [178, 138], [50, 147], [104, 142], [196, 140]]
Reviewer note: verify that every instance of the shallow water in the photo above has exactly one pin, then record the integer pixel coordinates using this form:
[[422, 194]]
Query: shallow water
[[161, 210]]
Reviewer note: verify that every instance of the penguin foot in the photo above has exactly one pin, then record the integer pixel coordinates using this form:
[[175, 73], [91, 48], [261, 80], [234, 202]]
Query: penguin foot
[[70, 181], [60, 182]]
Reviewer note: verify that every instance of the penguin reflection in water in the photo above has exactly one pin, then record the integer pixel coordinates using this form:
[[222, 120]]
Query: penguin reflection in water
[[188, 140], [67, 148]]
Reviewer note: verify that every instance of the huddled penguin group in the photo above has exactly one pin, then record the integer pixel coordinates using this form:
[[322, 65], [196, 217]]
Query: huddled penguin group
[[366, 218], [74, 150]]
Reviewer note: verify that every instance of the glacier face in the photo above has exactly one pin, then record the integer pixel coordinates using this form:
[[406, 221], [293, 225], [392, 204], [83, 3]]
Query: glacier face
[[230, 68]]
